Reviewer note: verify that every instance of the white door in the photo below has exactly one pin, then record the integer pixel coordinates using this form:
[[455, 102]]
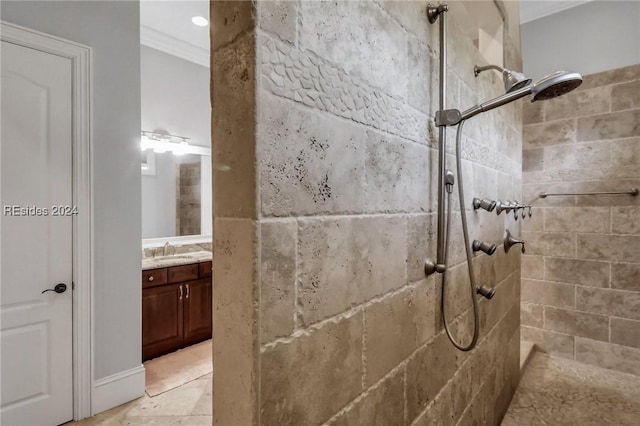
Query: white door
[[36, 249]]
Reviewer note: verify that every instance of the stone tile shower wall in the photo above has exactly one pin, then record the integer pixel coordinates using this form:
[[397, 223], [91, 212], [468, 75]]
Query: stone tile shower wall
[[325, 173], [188, 199], [581, 274]]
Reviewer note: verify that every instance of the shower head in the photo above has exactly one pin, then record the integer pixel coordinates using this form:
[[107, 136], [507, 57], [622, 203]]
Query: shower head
[[556, 84], [513, 80], [548, 87]]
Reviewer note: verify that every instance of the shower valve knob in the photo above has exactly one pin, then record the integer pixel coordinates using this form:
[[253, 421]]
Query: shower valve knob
[[484, 247], [510, 241], [485, 204], [486, 292], [503, 207]]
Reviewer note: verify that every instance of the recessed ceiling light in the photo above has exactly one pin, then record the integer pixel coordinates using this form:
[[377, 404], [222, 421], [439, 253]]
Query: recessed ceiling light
[[200, 21]]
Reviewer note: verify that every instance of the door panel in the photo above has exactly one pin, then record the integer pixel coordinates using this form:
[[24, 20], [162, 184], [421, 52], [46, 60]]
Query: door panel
[[197, 319], [36, 173], [162, 325]]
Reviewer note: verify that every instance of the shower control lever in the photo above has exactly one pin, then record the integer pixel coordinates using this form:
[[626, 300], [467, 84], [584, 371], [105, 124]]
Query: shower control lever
[[485, 204], [483, 246], [486, 292], [510, 241], [504, 207]]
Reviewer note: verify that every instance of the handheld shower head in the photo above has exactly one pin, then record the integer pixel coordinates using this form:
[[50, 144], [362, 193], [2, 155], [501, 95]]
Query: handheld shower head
[[556, 84], [513, 80]]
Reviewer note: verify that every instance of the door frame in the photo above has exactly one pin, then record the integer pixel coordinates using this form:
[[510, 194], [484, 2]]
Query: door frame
[[82, 242]]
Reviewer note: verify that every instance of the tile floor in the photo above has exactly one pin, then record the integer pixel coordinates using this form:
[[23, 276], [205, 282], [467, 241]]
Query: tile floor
[[555, 391], [187, 405]]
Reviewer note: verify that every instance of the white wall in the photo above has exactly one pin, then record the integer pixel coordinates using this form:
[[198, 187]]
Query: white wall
[[112, 29], [589, 38]]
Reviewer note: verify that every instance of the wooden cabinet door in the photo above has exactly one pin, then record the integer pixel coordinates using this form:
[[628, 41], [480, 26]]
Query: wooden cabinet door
[[197, 310], [162, 319]]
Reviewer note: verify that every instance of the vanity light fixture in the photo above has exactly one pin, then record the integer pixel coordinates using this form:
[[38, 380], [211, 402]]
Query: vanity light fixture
[[164, 142], [200, 21]]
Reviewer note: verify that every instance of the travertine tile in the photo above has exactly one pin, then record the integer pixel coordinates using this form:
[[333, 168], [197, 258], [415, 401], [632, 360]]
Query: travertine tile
[[531, 112], [623, 124], [532, 267], [577, 219], [531, 314], [549, 341], [577, 323], [625, 152], [625, 332], [625, 95], [548, 293], [625, 220], [577, 156], [344, 262], [578, 103], [554, 391], [622, 304], [277, 278], [279, 17], [549, 133], [608, 355], [604, 78], [532, 159], [324, 366], [609, 247], [576, 271], [427, 372], [382, 405], [609, 185], [421, 243], [560, 244], [230, 19], [532, 188], [625, 276], [397, 326]]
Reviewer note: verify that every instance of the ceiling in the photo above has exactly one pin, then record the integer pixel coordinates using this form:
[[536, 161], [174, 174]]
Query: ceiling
[[530, 10], [166, 26]]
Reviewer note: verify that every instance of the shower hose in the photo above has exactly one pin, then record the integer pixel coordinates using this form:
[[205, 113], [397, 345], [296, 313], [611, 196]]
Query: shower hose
[[465, 232]]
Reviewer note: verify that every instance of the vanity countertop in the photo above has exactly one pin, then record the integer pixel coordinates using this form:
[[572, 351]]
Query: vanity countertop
[[175, 260]]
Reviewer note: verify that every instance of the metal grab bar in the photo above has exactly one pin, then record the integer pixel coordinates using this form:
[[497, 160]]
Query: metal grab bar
[[633, 192]]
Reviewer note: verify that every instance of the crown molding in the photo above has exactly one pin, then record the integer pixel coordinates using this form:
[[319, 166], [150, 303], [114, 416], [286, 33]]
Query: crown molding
[[173, 46], [532, 10]]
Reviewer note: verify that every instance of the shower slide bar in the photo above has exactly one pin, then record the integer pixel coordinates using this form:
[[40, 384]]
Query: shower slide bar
[[633, 192]]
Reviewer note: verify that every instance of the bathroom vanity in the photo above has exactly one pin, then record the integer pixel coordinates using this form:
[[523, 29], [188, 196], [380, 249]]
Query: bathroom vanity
[[176, 303]]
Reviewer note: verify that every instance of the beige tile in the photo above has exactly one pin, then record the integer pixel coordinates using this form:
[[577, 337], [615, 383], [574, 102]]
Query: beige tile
[[614, 125], [532, 188], [614, 185], [397, 326], [535, 222], [548, 341], [577, 219], [577, 156], [604, 78], [560, 244], [235, 319], [625, 220], [608, 355], [625, 332], [344, 262], [625, 96], [625, 152], [278, 278], [531, 112], [233, 120], [618, 303], [179, 402], [549, 133], [625, 276], [609, 247], [576, 271], [548, 293], [307, 380], [421, 243], [576, 323], [381, 405], [579, 103], [533, 267], [229, 19], [279, 17], [427, 372], [531, 314], [532, 159]]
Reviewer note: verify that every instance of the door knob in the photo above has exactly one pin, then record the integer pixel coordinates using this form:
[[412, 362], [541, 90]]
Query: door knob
[[59, 288]]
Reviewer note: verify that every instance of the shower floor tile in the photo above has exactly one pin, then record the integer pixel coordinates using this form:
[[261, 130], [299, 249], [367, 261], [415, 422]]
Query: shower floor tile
[[556, 391]]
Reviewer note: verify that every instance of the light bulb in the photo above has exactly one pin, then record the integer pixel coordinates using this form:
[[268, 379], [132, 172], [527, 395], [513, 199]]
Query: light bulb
[[200, 21]]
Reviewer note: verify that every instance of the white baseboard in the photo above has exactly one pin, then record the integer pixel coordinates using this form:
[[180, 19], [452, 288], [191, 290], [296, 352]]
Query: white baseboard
[[117, 389]]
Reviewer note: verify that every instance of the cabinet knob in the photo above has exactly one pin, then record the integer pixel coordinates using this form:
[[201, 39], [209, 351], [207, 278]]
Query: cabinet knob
[[151, 278]]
